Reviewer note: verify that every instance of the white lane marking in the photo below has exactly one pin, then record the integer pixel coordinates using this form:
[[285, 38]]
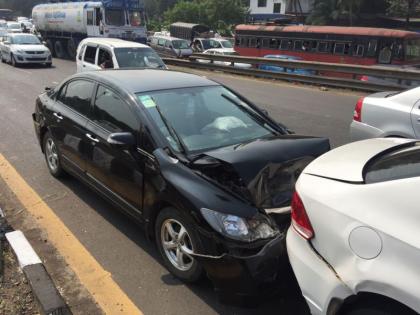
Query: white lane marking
[[23, 250], [54, 82]]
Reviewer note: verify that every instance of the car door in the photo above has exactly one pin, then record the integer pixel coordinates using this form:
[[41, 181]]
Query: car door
[[89, 59], [69, 128], [114, 169], [415, 118]]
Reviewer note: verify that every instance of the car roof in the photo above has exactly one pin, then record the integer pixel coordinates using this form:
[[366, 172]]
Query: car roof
[[145, 80], [113, 42], [347, 163], [169, 37]]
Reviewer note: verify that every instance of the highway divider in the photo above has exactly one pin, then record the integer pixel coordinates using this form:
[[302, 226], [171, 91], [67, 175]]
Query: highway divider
[[321, 73]]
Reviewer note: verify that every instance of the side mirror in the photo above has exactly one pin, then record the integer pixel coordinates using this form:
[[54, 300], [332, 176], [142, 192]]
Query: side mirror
[[44, 43], [124, 140]]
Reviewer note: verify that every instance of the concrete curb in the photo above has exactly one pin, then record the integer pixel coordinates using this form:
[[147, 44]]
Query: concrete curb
[[49, 300]]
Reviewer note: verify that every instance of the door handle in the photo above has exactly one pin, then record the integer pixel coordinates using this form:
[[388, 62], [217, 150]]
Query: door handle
[[58, 116], [90, 137]]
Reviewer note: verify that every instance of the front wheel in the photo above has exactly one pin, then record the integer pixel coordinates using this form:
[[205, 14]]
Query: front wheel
[[176, 240], [52, 156], [378, 307]]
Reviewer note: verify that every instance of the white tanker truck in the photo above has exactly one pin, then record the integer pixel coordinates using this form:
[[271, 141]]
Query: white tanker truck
[[63, 25]]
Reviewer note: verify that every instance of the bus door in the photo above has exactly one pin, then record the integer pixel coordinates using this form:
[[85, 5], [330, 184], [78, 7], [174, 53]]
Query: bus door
[[94, 22]]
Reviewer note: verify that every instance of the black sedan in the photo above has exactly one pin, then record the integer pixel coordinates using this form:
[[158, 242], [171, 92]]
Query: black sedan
[[207, 173]]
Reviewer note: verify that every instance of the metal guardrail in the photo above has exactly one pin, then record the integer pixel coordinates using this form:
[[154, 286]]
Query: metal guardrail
[[322, 70]]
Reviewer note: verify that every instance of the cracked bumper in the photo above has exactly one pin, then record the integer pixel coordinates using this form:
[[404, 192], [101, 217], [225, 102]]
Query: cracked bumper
[[237, 278]]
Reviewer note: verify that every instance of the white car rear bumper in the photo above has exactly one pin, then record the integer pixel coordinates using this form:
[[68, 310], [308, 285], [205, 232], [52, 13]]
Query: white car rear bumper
[[318, 281]]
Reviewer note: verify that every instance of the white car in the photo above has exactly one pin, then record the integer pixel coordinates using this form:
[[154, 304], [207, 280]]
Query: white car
[[203, 44], [13, 27], [354, 244], [23, 49], [224, 52], [387, 114], [112, 53]]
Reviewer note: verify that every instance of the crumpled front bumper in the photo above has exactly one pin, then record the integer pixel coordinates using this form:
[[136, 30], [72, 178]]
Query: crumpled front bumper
[[238, 278]]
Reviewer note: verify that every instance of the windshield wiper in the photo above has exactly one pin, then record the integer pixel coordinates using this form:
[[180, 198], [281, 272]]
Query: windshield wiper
[[171, 129]]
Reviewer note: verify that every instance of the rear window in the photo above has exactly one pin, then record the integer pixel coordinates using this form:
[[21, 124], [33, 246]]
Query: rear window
[[400, 164]]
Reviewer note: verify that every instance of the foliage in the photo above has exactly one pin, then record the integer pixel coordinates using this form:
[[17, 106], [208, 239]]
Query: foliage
[[220, 15], [401, 7]]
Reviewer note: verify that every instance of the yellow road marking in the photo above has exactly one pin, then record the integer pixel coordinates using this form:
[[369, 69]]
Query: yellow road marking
[[97, 281]]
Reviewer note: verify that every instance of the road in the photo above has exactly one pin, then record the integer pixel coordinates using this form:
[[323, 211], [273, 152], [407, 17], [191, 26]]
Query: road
[[116, 243]]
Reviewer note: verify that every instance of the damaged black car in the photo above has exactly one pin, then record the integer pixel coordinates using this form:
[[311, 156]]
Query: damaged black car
[[207, 173]]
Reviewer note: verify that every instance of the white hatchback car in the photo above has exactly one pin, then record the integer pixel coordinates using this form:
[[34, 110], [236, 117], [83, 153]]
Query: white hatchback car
[[113, 53], [354, 244]]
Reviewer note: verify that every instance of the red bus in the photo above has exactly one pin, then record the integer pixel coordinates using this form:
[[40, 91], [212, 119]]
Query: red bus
[[334, 44]]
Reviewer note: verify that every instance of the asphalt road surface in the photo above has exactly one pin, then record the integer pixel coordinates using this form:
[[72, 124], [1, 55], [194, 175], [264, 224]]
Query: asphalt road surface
[[119, 245]]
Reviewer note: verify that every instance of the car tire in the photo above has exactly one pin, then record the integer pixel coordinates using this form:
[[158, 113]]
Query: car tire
[[2, 59], [52, 156], [378, 307], [13, 61], [48, 64], [180, 264], [50, 45], [59, 50]]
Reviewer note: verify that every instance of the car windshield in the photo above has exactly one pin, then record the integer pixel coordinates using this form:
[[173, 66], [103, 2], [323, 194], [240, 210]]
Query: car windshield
[[114, 17], [25, 40], [13, 26], [204, 118], [226, 44], [180, 44], [138, 57]]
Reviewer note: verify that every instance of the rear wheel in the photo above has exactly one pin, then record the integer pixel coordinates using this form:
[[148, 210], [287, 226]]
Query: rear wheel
[[176, 240], [59, 49], [52, 156], [71, 49], [50, 45]]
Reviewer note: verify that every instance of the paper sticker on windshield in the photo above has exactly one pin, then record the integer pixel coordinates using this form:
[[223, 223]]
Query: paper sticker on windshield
[[147, 101]]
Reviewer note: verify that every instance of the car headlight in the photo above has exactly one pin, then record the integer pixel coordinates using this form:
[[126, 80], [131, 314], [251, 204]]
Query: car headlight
[[19, 51], [238, 228]]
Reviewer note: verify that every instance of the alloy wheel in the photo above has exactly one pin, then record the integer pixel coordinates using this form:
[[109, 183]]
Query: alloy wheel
[[52, 155], [177, 245]]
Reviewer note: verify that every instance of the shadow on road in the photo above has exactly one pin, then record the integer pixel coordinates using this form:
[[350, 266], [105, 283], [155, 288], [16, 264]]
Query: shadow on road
[[288, 302]]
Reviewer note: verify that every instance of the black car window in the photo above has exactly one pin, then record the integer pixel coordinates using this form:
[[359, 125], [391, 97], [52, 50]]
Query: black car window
[[90, 54], [105, 59], [398, 164], [112, 113], [78, 95]]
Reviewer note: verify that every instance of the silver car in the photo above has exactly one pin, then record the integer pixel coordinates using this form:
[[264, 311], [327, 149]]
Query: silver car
[[24, 48], [387, 114]]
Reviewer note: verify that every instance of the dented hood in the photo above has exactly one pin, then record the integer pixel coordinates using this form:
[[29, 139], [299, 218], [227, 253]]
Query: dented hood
[[263, 171]]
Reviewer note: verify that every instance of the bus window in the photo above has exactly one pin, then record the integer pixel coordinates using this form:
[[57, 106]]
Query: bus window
[[237, 41], [358, 50], [412, 49], [252, 42], [285, 44], [372, 47], [314, 45], [274, 43], [339, 48], [347, 49], [323, 47], [298, 45], [265, 43], [385, 54]]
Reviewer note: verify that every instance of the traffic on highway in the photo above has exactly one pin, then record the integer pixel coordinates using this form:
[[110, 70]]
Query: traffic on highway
[[148, 188]]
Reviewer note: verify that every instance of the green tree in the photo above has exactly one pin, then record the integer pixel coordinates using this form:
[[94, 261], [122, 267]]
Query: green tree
[[220, 15], [402, 8], [329, 11]]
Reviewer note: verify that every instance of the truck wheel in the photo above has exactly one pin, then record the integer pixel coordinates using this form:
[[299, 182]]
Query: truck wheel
[[59, 49], [50, 45], [71, 48]]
